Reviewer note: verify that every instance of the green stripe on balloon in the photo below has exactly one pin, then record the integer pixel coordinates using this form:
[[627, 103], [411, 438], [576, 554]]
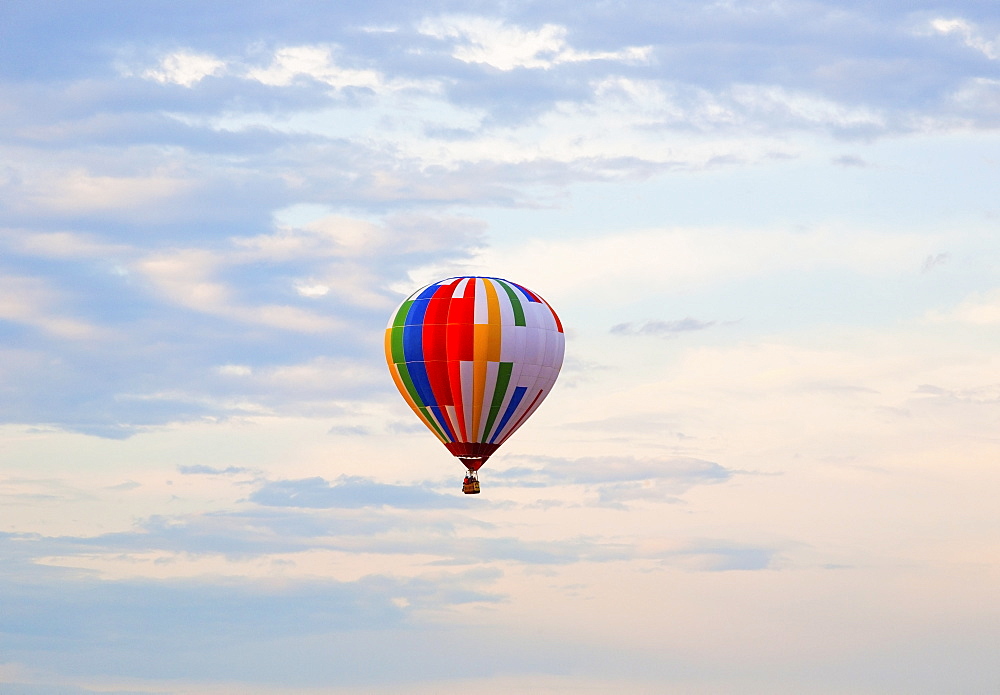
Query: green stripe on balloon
[[396, 344], [515, 303], [503, 379], [400, 318], [404, 374]]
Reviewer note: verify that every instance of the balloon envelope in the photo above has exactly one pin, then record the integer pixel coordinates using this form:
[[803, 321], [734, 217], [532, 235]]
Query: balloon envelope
[[474, 357]]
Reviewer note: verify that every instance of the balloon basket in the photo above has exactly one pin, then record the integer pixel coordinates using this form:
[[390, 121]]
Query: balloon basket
[[470, 485]]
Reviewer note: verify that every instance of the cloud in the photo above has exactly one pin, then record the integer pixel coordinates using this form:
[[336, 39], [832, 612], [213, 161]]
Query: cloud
[[234, 370], [32, 302], [849, 160], [242, 538], [61, 245], [351, 492], [21, 490], [199, 469], [668, 328], [312, 289], [184, 68], [80, 192], [674, 474], [934, 261], [132, 628], [288, 65], [665, 104], [186, 278], [314, 62], [969, 33], [505, 47], [221, 304], [349, 430], [304, 533], [709, 556]]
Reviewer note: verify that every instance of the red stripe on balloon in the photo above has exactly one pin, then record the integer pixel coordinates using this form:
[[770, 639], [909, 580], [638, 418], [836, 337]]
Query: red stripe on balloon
[[434, 338], [435, 344], [463, 309], [455, 377], [554, 315], [439, 304], [461, 316]]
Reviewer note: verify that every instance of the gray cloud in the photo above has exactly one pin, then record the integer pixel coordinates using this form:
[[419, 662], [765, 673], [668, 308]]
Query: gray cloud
[[209, 470], [349, 430], [79, 625], [350, 492], [393, 520], [615, 473], [48, 689], [661, 328], [250, 533], [933, 261], [850, 160], [715, 556]]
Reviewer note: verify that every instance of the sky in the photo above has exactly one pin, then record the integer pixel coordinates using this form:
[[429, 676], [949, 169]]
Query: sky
[[770, 464]]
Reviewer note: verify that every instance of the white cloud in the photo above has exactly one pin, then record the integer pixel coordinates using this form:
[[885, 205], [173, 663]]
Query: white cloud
[[185, 68], [79, 191], [184, 277], [657, 123], [332, 236], [59, 244], [506, 47], [769, 103], [653, 102], [312, 289], [234, 370], [970, 34], [187, 278], [288, 63], [978, 99], [32, 302], [315, 62]]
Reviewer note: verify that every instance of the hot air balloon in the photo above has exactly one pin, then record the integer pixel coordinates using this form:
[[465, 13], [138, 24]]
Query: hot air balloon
[[474, 357]]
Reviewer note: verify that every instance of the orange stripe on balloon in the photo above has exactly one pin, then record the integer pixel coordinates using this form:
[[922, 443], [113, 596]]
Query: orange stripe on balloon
[[494, 321], [479, 350]]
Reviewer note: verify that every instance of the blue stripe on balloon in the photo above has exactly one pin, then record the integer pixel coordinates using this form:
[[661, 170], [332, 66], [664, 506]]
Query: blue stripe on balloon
[[515, 400], [526, 293], [418, 374], [413, 343], [413, 328]]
